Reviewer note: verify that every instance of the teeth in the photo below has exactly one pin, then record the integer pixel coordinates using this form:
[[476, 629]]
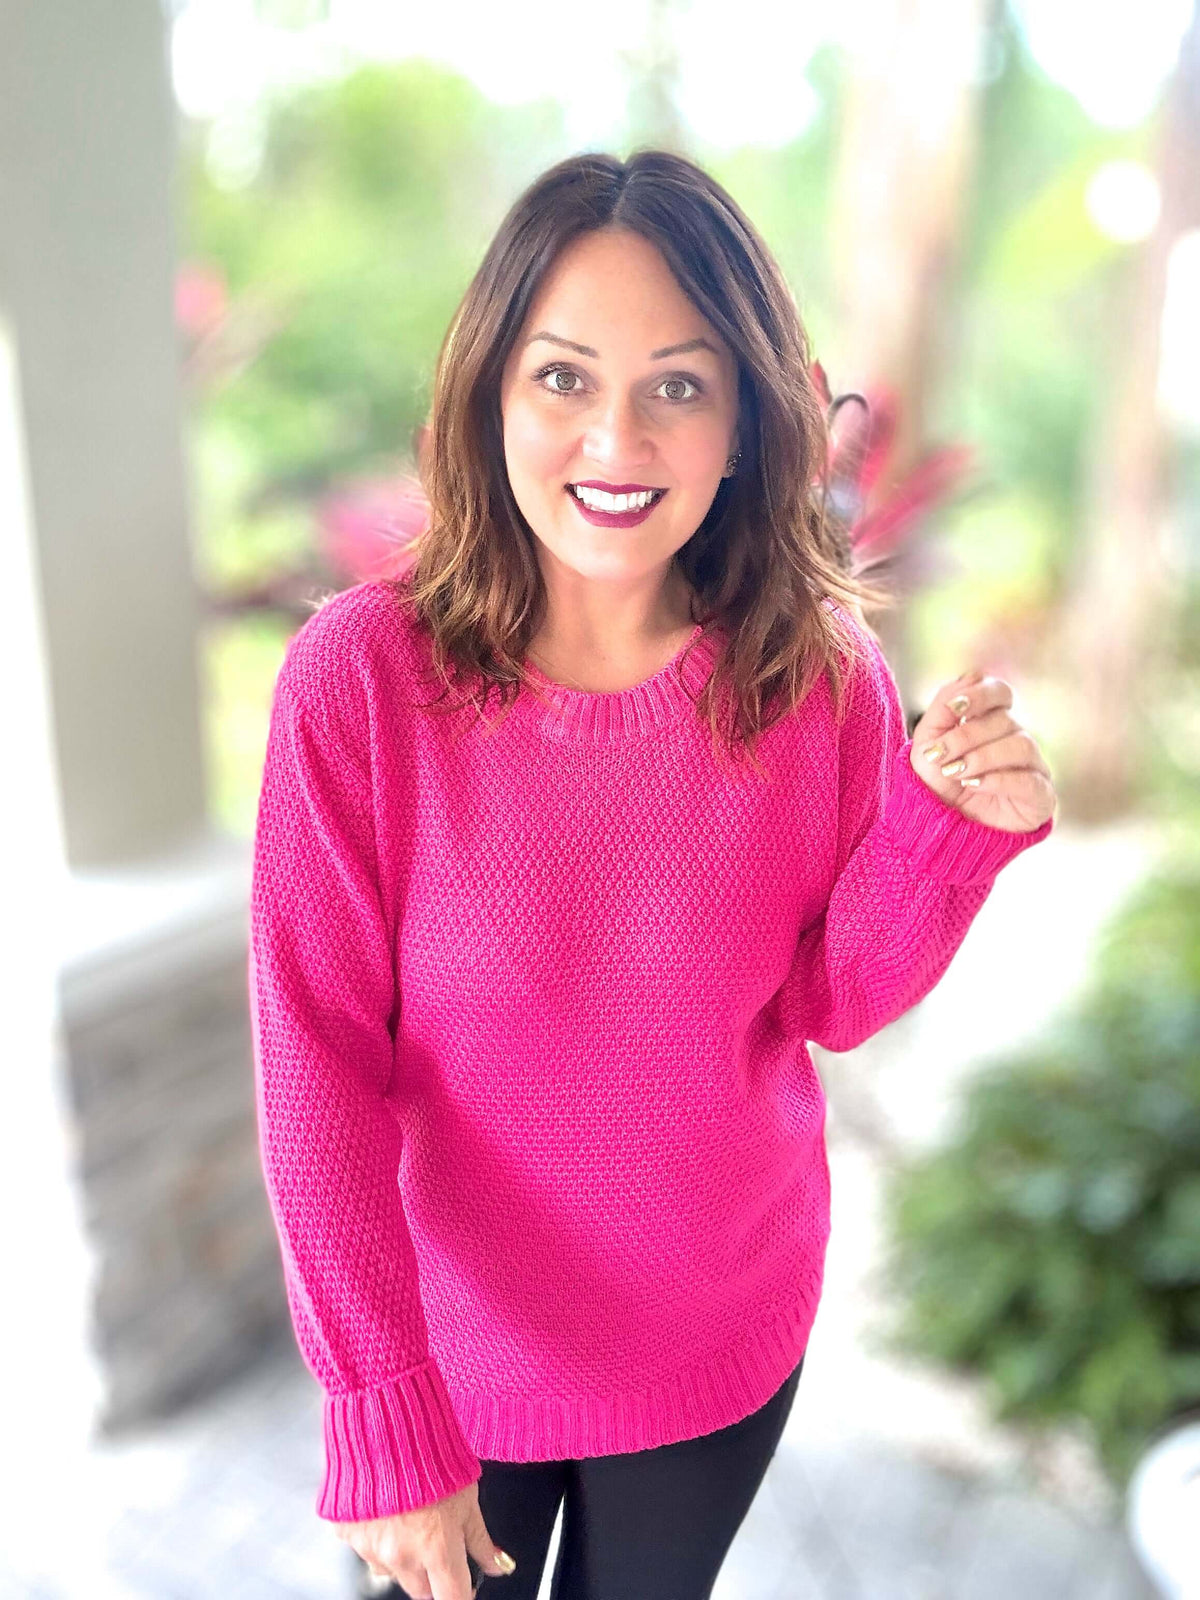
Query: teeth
[[597, 500]]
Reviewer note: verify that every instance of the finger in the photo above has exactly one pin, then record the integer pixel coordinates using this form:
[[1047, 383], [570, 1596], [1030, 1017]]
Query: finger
[[389, 1567], [1014, 752], [451, 1579], [945, 748], [1020, 786], [482, 1547], [415, 1583], [956, 741], [964, 699], [990, 728]]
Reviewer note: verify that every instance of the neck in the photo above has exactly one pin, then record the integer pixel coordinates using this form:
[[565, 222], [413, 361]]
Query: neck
[[585, 653], [568, 628]]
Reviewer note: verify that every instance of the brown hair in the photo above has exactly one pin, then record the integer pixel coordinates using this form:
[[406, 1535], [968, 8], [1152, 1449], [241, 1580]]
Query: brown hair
[[768, 552]]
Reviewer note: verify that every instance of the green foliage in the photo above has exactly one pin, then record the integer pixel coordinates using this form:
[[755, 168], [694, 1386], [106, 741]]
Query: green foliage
[[1027, 337], [1032, 135], [787, 192], [373, 201], [347, 242], [345, 250], [242, 658], [1054, 1245]]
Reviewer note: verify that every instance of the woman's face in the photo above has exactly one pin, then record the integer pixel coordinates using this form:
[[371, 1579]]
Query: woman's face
[[626, 408]]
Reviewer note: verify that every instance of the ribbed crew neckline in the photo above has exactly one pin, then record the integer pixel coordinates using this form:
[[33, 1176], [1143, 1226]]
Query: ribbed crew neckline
[[605, 716]]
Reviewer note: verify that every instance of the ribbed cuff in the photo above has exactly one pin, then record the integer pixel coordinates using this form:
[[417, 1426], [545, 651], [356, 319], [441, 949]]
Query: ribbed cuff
[[937, 839], [393, 1448]]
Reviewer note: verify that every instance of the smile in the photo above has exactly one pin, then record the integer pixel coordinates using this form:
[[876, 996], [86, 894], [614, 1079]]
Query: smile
[[613, 511]]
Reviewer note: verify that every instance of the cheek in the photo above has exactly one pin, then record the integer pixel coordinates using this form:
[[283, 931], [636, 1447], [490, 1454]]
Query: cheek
[[698, 453], [533, 444]]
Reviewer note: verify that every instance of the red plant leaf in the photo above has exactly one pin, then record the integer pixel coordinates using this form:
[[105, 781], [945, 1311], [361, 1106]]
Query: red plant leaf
[[366, 525], [932, 481], [201, 298]]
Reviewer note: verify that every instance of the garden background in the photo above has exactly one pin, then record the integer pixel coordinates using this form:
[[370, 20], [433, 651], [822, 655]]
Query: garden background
[[237, 232]]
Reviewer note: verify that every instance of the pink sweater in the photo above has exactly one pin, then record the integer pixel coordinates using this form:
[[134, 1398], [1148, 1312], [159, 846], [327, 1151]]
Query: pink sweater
[[542, 1137]]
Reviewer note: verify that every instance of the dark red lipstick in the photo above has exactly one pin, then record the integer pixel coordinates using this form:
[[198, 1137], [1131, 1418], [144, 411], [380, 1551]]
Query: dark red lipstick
[[615, 519]]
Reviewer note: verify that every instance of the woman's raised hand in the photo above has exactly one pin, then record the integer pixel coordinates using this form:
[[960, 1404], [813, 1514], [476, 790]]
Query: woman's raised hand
[[973, 754], [425, 1551]]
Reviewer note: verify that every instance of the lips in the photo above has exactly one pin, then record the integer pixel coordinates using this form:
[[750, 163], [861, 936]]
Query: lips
[[614, 519]]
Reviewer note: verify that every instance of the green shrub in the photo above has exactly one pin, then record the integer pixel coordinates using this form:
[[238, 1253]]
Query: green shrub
[[1054, 1246]]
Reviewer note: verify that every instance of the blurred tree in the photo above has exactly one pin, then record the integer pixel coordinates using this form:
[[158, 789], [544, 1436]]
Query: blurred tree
[[323, 262], [787, 191], [1116, 620], [904, 160], [316, 294], [1032, 311], [291, 13], [652, 116]]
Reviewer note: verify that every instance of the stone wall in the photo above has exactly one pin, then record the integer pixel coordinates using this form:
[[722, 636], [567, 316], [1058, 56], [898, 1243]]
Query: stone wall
[[187, 1286]]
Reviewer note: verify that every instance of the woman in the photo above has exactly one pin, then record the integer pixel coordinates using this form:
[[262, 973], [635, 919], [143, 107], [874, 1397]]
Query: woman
[[533, 986]]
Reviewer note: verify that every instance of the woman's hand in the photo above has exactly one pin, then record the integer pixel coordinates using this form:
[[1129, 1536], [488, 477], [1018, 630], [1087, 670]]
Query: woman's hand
[[997, 774], [425, 1551]]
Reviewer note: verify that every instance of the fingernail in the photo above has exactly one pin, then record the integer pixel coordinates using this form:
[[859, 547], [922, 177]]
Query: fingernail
[[505, 1562], [959, 704], [953, 768], [974, 782], [934, 752]]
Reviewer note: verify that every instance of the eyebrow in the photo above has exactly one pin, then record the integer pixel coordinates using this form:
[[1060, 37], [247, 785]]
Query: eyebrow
[[655, 355]]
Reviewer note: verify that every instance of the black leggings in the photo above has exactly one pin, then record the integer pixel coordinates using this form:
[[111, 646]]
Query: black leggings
[[647, 1525]]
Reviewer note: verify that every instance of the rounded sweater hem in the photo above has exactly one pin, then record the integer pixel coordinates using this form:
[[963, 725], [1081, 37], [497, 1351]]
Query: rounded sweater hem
[[700, 1401]]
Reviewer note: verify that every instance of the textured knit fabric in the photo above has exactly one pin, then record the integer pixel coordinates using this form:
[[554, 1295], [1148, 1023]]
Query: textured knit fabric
[[531, 1001]]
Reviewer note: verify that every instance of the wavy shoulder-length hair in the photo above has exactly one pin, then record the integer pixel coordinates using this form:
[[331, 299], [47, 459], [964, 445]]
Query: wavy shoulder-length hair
[[768, 555]]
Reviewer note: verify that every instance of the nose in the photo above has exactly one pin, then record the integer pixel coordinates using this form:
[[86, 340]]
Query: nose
[[618, 437]]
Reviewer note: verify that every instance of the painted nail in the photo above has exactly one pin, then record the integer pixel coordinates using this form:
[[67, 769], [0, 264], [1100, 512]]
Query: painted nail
[[953, 768], [959, 704], [934, 752], [974, 782], [505, 1562]]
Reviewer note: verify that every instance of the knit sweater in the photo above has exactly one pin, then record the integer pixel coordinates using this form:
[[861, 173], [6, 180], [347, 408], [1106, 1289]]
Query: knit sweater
[[531, 1004]]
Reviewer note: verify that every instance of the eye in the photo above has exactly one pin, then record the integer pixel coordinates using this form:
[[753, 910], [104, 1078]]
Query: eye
[[680, 398], [555, 370], [558, 367]]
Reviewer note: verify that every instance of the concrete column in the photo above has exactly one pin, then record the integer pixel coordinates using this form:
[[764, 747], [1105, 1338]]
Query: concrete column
[[87, 263], [138, 1245]]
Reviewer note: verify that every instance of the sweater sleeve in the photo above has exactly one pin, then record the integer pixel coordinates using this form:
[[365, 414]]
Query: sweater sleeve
[[323, 1013], [911, 873]]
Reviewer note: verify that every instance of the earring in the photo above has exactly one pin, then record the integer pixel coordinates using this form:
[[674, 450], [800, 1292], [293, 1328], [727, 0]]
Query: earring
[[731, 464]]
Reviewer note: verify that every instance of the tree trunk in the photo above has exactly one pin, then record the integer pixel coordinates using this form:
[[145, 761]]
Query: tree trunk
[[1114, 617], [906, 152]]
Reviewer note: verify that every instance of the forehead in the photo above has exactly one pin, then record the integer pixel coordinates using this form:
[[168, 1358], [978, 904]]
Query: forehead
[[614, 286]]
